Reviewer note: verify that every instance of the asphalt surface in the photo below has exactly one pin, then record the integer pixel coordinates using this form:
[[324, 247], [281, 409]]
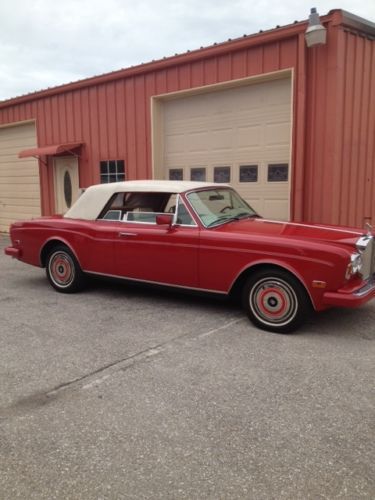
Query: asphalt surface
[[122, 392]]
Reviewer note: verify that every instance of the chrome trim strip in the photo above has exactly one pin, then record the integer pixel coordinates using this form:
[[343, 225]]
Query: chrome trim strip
[[315, 226], [370, 285], [170, 285]]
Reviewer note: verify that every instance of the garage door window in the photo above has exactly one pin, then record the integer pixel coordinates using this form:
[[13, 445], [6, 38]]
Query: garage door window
[[112, 171], [248, 173], [278, 173], [221, 174], [198, 174], [176, 174]]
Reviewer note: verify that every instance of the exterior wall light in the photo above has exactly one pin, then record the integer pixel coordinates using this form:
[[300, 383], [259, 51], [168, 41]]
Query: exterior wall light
[[316, 33]]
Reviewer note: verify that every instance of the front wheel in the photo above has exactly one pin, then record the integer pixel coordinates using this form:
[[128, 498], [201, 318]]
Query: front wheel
[[63, 270], [276, 301]]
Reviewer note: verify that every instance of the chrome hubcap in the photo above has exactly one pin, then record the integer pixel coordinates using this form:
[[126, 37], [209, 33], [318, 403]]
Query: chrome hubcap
[[61, 269], [273, 301]]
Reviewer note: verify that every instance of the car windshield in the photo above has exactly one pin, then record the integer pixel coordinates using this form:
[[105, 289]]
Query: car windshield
[[219, 206]]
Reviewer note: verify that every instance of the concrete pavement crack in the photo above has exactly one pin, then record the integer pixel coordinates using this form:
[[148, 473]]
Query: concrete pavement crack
[[39, 400]]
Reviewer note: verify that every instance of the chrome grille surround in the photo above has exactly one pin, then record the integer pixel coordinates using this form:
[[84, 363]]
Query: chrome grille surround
[[365, 246]]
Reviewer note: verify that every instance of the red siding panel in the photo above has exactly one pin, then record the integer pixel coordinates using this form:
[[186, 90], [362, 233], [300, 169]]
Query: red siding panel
[[210, 71], [141, 145], [356, 132], [239, 65], [131, 138], [255, 61]]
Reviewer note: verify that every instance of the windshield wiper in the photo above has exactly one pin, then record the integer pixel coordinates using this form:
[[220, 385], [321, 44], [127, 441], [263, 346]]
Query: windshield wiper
[[221, 220], [245, 215], [230, 218]]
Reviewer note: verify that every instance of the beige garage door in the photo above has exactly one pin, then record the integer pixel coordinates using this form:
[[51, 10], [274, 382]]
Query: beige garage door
[[19, 178], [239, 135]]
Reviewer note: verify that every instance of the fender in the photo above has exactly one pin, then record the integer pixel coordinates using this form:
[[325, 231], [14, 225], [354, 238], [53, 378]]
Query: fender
[[56, 240], [281, 265]]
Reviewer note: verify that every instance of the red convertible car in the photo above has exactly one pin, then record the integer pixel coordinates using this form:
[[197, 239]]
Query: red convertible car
[[203, 237]]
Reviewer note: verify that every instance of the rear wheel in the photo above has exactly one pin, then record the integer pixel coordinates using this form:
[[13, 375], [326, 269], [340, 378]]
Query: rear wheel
[[276, 301], [63, 270]]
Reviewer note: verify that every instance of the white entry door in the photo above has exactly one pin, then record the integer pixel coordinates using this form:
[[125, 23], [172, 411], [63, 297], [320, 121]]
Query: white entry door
[[66, 183]]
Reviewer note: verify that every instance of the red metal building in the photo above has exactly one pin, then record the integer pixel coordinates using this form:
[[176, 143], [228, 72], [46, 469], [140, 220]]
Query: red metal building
[[291, 127]]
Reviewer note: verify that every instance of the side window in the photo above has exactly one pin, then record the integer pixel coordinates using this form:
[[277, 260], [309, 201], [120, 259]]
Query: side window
[[170, 207], [113, 210], [112, 215], [144, 207], [183, 216]]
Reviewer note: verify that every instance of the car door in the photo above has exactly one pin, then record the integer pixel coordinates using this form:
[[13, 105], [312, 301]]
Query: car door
[[127, 242], [156, 253]]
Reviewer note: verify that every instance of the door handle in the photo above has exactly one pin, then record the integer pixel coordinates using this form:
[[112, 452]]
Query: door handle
[[127, 235]]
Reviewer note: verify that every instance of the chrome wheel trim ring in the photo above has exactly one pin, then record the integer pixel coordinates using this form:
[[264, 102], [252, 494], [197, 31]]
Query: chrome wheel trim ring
[[61, 269], [273, 302]]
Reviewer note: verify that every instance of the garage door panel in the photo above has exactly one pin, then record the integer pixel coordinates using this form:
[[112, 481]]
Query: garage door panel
[[12, 176], [20, 211], [17, 192], [248, 125], [197, 141], [19, 178], [277, 133], [174, 143], [274, 207]]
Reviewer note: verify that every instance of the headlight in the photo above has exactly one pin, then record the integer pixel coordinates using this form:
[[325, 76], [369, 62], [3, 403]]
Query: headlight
[[354, 266]]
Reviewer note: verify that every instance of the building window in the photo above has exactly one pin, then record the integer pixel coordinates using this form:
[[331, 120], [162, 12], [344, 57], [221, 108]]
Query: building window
[[221, 174], [176, 174], [278, 172], [198, 174], [248, 173], [112, 171]]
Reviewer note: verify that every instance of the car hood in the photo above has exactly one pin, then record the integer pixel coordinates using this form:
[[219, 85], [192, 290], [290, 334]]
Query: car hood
[[292, 230]]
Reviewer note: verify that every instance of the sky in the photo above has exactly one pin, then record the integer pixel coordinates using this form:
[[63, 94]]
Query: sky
[[44, 43]]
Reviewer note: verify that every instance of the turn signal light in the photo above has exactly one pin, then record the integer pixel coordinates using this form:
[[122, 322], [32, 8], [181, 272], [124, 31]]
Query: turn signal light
[[319, 284]]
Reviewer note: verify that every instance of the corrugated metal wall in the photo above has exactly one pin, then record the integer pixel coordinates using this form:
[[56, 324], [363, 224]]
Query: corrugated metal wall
[[333, 115], [354, 199], [340, 130]]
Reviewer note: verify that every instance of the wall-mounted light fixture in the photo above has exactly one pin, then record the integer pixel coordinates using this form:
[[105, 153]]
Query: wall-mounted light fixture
[[316, 34]]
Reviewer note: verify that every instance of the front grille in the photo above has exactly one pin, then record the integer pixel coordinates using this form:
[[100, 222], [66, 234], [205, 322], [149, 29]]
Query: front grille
[[365, 245]]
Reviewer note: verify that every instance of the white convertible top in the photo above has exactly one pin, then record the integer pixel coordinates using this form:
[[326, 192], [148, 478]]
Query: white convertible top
[[91, 202]]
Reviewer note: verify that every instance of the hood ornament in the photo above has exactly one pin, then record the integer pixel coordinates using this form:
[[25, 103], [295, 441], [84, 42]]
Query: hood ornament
[[369, 228]]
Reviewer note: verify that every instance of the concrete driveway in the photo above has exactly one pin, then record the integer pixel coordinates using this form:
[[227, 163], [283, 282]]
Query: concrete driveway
[[123, 392]]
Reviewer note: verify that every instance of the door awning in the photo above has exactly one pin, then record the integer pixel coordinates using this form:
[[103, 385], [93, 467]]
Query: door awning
[[50, 150]]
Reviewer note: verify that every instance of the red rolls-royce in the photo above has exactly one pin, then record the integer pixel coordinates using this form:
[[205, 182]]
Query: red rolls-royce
[[204, 237]]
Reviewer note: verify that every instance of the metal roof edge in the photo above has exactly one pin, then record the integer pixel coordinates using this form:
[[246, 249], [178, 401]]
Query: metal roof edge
[[358, 23]]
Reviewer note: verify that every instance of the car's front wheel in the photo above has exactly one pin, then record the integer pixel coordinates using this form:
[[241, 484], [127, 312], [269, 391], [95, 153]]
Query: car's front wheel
[[63, 270], [275, 300]]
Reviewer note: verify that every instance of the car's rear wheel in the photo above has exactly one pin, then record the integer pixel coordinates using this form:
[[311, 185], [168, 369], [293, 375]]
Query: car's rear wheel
[[63, 270], [276, 301]]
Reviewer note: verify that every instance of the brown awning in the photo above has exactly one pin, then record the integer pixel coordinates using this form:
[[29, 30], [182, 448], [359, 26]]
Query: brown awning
[[50, 150]]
